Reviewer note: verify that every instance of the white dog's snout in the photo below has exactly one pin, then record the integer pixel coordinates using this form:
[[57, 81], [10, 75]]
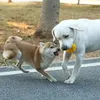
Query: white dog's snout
[[64, 47]]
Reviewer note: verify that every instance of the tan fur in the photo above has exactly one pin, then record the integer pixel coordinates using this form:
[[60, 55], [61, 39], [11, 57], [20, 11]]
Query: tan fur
[[12, 50], [30, 54]]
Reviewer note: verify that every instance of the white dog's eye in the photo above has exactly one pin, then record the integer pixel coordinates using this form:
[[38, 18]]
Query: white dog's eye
[[65, 36]]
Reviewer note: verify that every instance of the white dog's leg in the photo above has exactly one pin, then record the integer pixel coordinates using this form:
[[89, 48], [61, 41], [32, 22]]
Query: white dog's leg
[[79, 58], [66, 57]]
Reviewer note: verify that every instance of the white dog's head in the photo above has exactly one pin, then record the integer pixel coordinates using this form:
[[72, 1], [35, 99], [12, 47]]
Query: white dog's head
[[65, 35]]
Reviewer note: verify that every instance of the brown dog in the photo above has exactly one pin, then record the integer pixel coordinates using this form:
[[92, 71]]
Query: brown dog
[[39, 57]]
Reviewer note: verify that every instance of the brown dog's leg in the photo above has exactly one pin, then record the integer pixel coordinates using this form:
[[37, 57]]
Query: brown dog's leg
[[19, 65], [5, 62], [48, 76], [37, 62]]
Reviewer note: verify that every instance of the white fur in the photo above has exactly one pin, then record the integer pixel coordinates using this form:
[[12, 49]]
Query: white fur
[[85, 34], [19, 55], [47, 57], [6, 54]]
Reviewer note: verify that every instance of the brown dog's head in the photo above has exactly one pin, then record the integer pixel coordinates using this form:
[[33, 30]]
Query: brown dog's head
[[49, 49], [12, 39]]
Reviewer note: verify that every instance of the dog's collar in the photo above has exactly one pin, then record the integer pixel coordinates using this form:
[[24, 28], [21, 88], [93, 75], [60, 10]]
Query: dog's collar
[[72, 49]]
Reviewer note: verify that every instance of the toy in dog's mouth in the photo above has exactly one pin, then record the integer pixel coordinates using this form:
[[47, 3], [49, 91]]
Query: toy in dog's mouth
[[72, 49], [56, 53]]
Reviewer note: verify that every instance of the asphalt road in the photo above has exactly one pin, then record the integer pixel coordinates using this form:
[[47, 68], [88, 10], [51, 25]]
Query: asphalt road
[[31, 87]]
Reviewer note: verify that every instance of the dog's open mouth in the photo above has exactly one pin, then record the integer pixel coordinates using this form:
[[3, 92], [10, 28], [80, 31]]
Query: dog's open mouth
[[56, 53]]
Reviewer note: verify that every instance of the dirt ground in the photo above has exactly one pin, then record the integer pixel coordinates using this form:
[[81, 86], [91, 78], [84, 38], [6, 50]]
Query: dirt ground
[[22, 18]]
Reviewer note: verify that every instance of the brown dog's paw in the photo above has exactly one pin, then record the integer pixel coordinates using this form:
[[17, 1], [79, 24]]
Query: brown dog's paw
[[26, 71]]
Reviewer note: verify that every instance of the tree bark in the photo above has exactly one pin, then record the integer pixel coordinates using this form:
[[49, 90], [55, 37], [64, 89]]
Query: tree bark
[[78, 2], [9, 1], [49, 17]]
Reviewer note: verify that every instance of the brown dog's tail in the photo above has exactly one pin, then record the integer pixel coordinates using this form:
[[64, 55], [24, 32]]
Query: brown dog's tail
[[7, 54]]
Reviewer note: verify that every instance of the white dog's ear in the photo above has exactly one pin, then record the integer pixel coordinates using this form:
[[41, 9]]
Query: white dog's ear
[[42, 44], [53, 35], [75, 27]]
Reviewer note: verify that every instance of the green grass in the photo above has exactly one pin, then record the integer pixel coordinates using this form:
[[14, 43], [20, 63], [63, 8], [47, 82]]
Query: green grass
[[29, 14]]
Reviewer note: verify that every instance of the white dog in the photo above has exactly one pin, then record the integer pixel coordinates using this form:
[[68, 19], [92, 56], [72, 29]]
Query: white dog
[[84, 33]]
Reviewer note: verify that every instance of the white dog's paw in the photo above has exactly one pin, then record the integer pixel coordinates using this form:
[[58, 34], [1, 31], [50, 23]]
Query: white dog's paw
[[67, 76], [71, 80]]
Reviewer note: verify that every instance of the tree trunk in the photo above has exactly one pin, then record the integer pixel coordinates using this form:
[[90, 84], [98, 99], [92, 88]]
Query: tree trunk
[[49, 17], [9, 1], [78, 2]]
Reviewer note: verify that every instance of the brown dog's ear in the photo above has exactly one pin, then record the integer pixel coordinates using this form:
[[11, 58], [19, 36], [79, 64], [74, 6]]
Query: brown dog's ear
[[42, 44]]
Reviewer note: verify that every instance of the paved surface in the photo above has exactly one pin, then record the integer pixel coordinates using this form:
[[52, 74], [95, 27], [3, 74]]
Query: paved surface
[[31, 87]]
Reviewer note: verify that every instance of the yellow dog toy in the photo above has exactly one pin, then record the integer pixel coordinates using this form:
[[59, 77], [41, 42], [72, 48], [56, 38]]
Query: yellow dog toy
[[72, 49]]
